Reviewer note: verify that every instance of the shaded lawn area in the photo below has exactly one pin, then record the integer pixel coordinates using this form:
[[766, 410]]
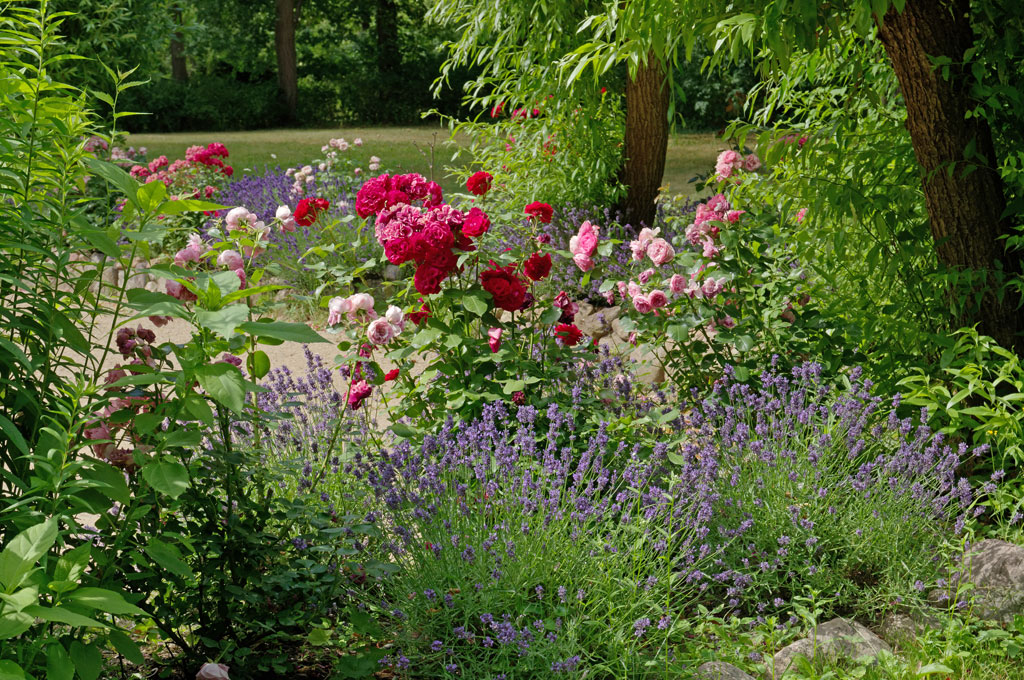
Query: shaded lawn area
[[402, 149]]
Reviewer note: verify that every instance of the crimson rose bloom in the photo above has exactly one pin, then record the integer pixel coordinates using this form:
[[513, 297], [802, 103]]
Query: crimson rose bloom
[[435, 269], [392, 374], [372, 196], [538, 266], [505, 287], [476, 223], [479, 183], [542, 211], [568, 333], [399, 250], [309, 209]]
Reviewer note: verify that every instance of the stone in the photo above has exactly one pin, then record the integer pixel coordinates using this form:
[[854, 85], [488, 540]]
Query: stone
[[899, 628], [597, 323], [834, 639], [719, 670], [137, 281], [392, 272], [994, 570]]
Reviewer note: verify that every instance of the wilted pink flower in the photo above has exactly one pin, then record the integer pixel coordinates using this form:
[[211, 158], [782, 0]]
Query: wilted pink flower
[[639, 249], [660, 251], [380, 331], [230, 259], [727, 322], [645, 276], [213, 671], [494, 338], [336, 308], [186, 255], [159, 321]]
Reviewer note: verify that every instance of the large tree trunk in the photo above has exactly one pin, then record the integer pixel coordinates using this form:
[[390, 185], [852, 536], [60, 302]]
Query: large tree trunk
[[647, 99], [965, 206], [287, 62], [179, 67]]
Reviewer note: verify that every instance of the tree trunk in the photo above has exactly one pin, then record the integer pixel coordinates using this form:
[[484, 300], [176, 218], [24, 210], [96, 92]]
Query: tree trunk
[[287, 62], [179, 67], [647, 99], [965, 206]]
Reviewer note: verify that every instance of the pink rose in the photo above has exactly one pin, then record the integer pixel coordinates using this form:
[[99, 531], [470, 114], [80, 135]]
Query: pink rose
[[710, 249], [494, 339], [642, 304], [752, 163], [395, 317], [712, 287], [184, 255], [632, 289], [230, 259], [623, 289], [336, 308], [361, 301], [677, 284], [733, 216], [586, 240], [646, 235], [242, 281], [176, 290], [639, 249], [658, 299], [609, 297], [660, 251], [583, 262], [213, 671], [380, 331], [800, 215], [236, 216], [646, 275]]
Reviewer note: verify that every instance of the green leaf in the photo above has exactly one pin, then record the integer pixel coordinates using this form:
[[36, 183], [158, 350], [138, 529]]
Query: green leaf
[[934, 668], [10, 670], [14, 624], [104, 600], [475, 303], [72, 564], [551, 315], [318, 637], [58, 663], [403, 430], [115, 175], [224, 321], [188, 205], [151, 196], [258, 364], [106, 479], [152, 303], [24, 550], [61, 615], [167, 477], [168, 557], [13, 435], [126, 647], [425, 337], [87, 658], [199, 409], [223, 382], [281, 330]]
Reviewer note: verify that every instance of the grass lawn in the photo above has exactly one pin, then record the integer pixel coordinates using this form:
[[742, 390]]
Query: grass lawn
[[403, 149]]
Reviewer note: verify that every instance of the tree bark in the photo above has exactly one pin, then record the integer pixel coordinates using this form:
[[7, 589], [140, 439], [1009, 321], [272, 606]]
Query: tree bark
[[647, 100], [963, 195], [179, 67], [287, 62]]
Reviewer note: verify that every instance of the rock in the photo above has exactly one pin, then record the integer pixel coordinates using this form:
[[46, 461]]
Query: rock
[[719, 670], [620, 333], [112, 276], [995, 571], [137, 281], [153, 287], [597, 323], [392, 272], [836, 638], [899, 628]]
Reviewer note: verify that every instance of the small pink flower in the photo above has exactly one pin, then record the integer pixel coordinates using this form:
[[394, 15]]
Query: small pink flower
[[657, 298], [800, 215], [336, 308], [609, 297], [176, 290], [639, 249], [585, 240], [712, 287], [494, 338], [242, 280], [185, 255], [752, 163], [645, 276], [230, 259], [623, 289], [727, 322], [380, 331], [677, 284], [646, 235], [237, 218], [213, 671], [733, 216], [632, 289], [642, 304], [395, 317], [660, 251], [710, 249]]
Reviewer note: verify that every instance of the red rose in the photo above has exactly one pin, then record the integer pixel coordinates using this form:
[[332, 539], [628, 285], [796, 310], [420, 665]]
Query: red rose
[[505, 287], [476, 223], [463, 242], [399, 250], [418, 317], [396, 196], [434, 194], [538, 266], [391, 375], [428, 278], [542, 211], [479, 183], [309, 209], [568, 334], [371, 196], [438, 235]]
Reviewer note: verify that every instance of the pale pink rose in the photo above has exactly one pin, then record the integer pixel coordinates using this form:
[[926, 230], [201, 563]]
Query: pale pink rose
[[230, 259], [677, 284], [657, 298], [283, 212], [362, 301], [250, 252], [395, 317], [213, 671], [196, 243], [494, 339], [752, 163], [288, 225], [642, 304], [185, 255], [235, 218], [647, 235], [177, 290], [712, 287], [710, 249], [322, 167], [645, 276], [309, 179], [800, 215], [639, 249], [358, 141], [609, 297], [660, 251], [586, 242], [583, 262], [733, 216], [336, 308], [728, 162], [623, 289], [380, 332], [632, 289]]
